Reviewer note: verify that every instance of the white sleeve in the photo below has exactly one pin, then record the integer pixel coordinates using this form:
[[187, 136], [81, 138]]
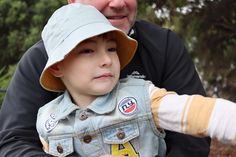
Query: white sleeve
[[195, 115]]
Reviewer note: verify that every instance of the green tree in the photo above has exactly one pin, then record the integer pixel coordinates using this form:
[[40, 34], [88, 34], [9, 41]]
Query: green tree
[[209, 30], [21, 23], [4, 81]]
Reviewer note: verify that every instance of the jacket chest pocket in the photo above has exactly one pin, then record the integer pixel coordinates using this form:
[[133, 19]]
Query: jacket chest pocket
[[120, 134], [119, 138], [60, 145]]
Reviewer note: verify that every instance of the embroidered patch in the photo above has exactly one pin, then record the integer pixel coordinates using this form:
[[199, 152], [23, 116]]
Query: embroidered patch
[[51, 123], [128, 106]]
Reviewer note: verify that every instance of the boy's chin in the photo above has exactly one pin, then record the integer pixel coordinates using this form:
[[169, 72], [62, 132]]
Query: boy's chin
[[104, 90]]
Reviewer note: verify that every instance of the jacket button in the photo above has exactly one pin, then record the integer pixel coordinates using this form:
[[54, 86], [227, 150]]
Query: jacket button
[[59, 149], [83, 116], [120, 134], [87, 139]]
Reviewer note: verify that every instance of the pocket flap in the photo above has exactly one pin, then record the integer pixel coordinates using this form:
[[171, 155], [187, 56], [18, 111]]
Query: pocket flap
[[120, 134], [60, 145]]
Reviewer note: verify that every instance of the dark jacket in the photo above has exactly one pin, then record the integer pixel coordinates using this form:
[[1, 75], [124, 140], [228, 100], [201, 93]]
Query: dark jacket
[[161, 57]]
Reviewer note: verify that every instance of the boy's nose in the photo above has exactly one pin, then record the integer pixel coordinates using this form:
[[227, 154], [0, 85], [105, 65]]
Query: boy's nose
[[106, 60], [117, 4]]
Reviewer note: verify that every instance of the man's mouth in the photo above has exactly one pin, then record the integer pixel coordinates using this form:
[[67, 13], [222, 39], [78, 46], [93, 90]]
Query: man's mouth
[[115, 17]]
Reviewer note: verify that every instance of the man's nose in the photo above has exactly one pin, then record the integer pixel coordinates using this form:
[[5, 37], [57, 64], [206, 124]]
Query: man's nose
[[117, 4]]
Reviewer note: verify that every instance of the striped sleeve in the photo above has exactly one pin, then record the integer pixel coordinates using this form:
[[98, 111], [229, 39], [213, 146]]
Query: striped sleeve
[[194, 114]]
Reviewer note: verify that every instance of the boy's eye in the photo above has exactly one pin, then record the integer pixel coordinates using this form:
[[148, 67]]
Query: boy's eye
[[87, 51], [112, 49]]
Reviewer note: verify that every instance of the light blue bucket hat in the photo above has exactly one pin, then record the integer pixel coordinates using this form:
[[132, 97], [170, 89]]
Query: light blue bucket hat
[[69, 26]]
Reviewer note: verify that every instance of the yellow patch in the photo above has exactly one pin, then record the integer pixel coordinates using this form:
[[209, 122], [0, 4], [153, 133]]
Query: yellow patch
[[123, 149]]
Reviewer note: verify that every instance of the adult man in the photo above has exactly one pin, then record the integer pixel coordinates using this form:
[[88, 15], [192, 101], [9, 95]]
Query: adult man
[[161, 58]]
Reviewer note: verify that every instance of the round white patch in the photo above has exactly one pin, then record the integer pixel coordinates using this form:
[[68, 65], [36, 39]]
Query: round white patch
[[128, 106], [50, 123]]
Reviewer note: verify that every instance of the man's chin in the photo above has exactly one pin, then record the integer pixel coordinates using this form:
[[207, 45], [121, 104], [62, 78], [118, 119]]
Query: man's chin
[[123, 28]]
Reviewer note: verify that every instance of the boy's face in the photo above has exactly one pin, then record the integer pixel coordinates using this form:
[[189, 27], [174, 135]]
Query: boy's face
[[120, 13], [92, 68]]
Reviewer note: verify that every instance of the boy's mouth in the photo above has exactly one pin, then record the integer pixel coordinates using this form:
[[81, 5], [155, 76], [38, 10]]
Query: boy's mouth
[[105, 75]]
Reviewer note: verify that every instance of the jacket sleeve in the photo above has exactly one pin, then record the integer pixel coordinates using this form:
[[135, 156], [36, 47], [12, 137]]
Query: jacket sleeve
[[169, 66], [194, 115], [24, 96]]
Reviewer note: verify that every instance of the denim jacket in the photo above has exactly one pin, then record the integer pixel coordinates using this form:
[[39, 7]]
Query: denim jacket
[[119, 123]]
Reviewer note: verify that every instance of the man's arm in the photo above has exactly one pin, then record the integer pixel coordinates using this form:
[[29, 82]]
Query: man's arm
[[24, 96]]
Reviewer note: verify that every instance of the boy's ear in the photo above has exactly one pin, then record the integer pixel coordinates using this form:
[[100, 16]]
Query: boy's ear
[[55, 70]]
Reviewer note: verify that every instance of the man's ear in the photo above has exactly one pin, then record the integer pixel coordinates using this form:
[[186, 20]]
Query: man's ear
[[71, 1], [55, 70]]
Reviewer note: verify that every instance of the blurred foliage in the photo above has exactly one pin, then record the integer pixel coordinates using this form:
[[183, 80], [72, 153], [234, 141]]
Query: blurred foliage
[[5, 79], [208, 28], [146, 11], [21, 23]]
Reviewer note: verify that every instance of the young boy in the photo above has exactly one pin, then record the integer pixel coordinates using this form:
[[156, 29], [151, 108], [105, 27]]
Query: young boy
[[98, 114]]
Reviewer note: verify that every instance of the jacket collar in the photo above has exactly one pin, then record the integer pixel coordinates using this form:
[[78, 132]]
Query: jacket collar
[[101, 105]]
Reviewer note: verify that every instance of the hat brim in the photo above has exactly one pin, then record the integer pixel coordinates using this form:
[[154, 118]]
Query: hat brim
[[126, 48]]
